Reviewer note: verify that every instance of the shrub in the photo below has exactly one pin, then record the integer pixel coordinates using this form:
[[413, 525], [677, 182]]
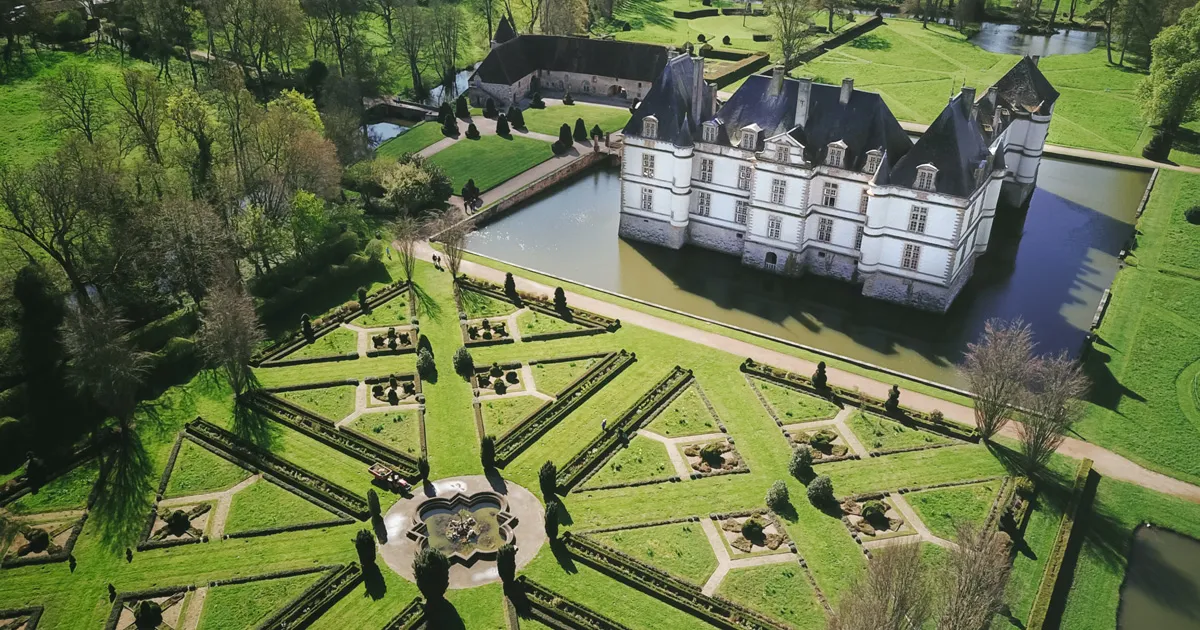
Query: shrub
[[560, 299], [511, 377], [373, 502], [581, 134], [502, 128], [552, 519], [752, 528], [536, 101], [597, 132], [819, 379], [470, 191], [727, 41], [564, 135], [38, 540], [306, 327], [516, 117], [472, 132], [558, 148], [489, 109], [506, 562], [70, 26], [464, 363], [364, 544], [893, 400], [777, 496], [510, 285], [178, 522], [1025, 487], [500, 387], [800, 465], [547, 480], [148, 614], [423, 467], [432, 572], [874, 511], [450, 127], [444, 112], [425, 365], [460, 107], [712, 453], [487, 452], [567, 99], [937, 416], [822, 439], [820, 491], [1193, 215]]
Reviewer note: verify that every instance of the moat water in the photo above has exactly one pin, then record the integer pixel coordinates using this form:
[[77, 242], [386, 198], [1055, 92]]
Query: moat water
[[1048, 265], [1162, 582], [1004, 38]]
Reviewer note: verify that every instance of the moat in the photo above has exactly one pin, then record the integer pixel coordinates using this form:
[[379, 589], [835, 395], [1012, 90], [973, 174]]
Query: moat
[[1048, 265]]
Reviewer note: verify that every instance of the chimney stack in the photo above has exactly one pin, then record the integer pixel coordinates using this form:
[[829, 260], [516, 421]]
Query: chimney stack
[[997, 123], [712, 101], [1035, 59], [967, 96], [777, 75], [698, 87], [803, 96], [847, 90]]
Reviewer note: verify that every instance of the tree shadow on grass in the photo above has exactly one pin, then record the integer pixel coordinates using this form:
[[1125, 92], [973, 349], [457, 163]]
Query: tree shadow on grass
[[253, 426], [563, 556], [123, 491], [376, 587], [427, 305], [442, 615], [650, 11]]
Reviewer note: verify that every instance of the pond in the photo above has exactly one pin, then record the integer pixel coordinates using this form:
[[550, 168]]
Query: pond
[[1048, 265], [1004, 38], [447, 93], [1162, 582], [380, 132]]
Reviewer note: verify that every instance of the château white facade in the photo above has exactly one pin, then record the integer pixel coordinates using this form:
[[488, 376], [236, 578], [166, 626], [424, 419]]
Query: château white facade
[[796, 177]]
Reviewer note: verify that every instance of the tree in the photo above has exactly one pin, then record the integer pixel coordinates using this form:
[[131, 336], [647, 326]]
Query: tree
[[506, 563], [997, 368], [552, 508], [819, 379], [196, 122], [189, 247], [464, 363], [563, 17], [411, 185], [230, 332], [791, 19], [72, 97], [564, 135], [489, 109], [386, 11], [373, 502], [454, 242], [975, 579], [423, 467], [516, 117], [800, 465], [892, 405], [892, 595], [341, 22], [510, 285], [581, 134], [560, 301], [103, 365], [412, 39], [405, 233], [487, 451], [142, 109], [1056, 389], [447, 30], [777, 496], [432, 572], [148, 614], [820, 491], [502, 128], [548, 480], [472, 131], [364, 544], [1169, 94], [832, 7], [425, 365], [461, 110]]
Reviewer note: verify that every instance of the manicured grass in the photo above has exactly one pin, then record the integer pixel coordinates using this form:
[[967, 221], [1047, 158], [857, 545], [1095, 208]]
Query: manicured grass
[[686, 415], [680, 549], [264, 504], [534, 323], [552, 378], [199, 471], [400, 429], [490, 160], [1029, 561], [944, 509], [68, 492], [338, 341], [333, 403], [879, 434], [643, 459], [478, 305], [777, 590], [551, 119], [247, 605], [502, 414], [391, 313], [793, 406], [411, 141]]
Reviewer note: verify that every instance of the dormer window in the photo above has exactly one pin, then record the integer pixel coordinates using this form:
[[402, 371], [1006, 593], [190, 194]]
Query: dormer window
[[836, 157], [873, 159], [782, 154], [650, 127], [710, 132], [926, 176], [747, 140]]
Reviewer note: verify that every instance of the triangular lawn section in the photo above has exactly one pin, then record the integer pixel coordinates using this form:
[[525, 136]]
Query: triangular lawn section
[[554, 376], [535, 323], [477, 306], [399, 429], [643, 460], [780, 591], [250, 603], [686, 415], [333, 403], [680, 549], [793, 406], [393, 312], [200, 471], [880, 434], [265, 505], [944, 509], [69, 491], [339, 341], [502, 414]]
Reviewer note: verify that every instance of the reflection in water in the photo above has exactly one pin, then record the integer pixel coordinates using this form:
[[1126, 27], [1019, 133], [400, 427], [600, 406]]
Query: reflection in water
[[1048, 266], [1162, 582], [380, 132], [1004, 38], [443, 93]]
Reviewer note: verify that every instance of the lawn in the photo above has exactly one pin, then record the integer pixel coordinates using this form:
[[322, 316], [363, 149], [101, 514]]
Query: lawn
[[679, 548], [778, 590], [490, 160], [535, 323], [501, 414], [394, 312], [792, 406], [411, 141], [264, 504], [399, 429], [247, 605], [478, 306], [686, 415], [339, 341], [199, 471], [68, 492], [553, 377], [551, 119], [642, 460], [943, 510], [879, 434], [334, 403]]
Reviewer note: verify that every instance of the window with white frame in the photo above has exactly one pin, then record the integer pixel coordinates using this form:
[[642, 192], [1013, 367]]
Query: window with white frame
[[647, 165], [710, 132], [704, 204], [744, 177], [863, 200], [916, 219], [858, 238], [912, 256], [824, 229], [650, 127], [741, 212], [748, 140], [836, 156], [925, 178], [706, 170], [778, 190], [781, 154], [873, 159], [774, 227], [647, 199], [829, 195]]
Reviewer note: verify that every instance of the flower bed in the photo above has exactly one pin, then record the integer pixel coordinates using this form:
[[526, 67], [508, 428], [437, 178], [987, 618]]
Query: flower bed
[[557, 611], [324, 324], [313, 602], [306, 483], [32, 615], [1049, 584], [394, 341], [485, 332], [122, 600], [54, 551], [591, 322], [640, 413], [413, 616], [517, 439]]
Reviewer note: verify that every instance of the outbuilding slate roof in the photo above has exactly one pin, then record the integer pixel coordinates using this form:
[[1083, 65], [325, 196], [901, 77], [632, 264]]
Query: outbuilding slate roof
[[670, 101], [519, 57], [504, 31], [954, 144]]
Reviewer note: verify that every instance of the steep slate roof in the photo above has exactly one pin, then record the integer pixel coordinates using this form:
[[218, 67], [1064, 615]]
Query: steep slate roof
[[518, 57], [954, 144], [504, 31], [670, 101], [1023, 89], [864, 123]]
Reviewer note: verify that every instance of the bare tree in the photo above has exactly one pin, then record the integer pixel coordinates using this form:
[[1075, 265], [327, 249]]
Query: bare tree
[[190, 245], [230, 332], [446, 28], [975, 579], [832, 7], [454, 241], [563, 17], [997, 367], [386, 11], [142, 104], [893, 595], [1056, 390], [103, 364], [791, 19], [412, 36], [406, 232], [73, 99]]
